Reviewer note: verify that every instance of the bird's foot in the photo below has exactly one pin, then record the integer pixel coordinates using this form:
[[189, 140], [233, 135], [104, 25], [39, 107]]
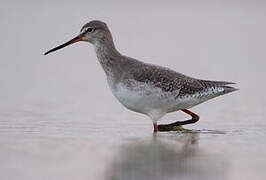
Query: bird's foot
[[169, 127], [177, 126]]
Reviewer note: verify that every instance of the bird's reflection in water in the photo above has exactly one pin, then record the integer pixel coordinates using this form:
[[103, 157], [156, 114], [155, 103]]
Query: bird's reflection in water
[[165, 156]]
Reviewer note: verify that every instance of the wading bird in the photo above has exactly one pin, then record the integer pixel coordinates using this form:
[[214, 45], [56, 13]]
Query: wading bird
[[146, 88]]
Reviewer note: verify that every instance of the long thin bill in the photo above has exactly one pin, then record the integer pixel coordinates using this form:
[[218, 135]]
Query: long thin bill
[[72, 41]]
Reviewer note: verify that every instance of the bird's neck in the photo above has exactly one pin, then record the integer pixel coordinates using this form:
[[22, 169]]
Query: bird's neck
[[108, 56]]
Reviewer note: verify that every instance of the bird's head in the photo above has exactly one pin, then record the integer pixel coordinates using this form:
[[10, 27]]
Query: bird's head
[[94, 32]]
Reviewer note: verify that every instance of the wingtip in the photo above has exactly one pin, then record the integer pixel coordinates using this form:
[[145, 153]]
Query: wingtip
[[226, 82], [229, 89], [231, 83]]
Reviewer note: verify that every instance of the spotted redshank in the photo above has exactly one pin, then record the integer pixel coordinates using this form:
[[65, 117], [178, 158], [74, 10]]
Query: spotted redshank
[[146, 88]]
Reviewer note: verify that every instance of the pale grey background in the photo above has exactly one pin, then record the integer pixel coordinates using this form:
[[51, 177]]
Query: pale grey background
[[59, 120]]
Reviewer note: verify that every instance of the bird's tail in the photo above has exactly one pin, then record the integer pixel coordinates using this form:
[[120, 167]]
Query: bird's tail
[[228, 89], [222, 85]]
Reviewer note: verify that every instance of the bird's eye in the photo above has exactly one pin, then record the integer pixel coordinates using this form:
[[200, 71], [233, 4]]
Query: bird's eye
[[89, 30]]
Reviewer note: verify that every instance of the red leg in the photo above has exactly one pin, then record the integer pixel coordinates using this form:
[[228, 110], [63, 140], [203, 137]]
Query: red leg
[[195, 117], [155, 127]]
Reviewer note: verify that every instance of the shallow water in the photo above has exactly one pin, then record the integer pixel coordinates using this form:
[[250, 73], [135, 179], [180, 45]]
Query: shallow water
[[59, 120]]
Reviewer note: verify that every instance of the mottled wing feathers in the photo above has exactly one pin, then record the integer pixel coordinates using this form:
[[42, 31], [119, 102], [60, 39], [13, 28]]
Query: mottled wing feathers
[[207, 83], [166, 79], [170, 81]]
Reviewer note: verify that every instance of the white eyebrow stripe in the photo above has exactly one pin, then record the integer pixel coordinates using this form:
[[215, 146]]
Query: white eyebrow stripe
[[84, 29]]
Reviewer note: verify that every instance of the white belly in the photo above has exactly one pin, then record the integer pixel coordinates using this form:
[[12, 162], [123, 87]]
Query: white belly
[[143, 100], [147, 99]]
